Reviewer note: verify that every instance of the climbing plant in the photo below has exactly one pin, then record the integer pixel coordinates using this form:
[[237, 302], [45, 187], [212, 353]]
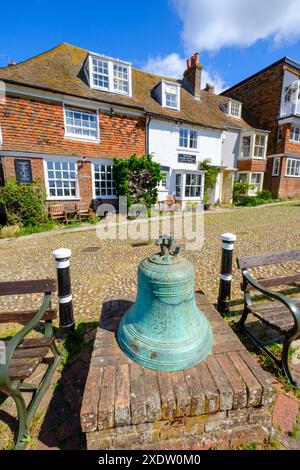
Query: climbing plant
[[211, 174], [137, 179]]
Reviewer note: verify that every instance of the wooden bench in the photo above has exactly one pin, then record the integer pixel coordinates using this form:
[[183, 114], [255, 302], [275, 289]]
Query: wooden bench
[[83, 211], [282, 313], [21, 356], [57, 212]]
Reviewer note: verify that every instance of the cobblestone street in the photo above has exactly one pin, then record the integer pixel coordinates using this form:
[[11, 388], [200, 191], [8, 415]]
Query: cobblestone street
[[109, 271]]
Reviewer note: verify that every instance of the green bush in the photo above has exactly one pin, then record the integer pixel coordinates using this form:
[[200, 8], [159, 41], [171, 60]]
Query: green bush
[[137, 179], [240, 189], [265, 195], [23, 204]]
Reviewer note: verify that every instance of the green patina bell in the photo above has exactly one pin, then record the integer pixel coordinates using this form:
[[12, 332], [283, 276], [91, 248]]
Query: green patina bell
[[164, 329]]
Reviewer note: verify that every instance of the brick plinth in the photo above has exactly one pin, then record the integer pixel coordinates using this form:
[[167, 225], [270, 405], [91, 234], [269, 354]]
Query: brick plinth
[[222, 402]]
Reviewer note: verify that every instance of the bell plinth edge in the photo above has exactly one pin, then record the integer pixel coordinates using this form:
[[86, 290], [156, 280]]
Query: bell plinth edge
[[164, 329]]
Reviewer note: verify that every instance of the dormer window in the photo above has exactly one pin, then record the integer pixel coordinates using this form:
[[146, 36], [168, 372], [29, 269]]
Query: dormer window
[[171, 96], [232, 108], [167, 93], [107, 74]]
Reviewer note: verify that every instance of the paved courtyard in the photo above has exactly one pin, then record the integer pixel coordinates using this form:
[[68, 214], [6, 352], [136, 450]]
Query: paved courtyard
[[110, 271]]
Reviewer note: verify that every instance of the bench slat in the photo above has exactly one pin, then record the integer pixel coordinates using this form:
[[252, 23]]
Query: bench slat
[[25, 316], [245, 262], [28, 356], [278, 281], [27, 287]]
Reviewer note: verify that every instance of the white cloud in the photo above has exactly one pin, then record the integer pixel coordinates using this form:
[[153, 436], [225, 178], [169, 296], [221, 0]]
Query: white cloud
[[213, 24], [173, 65]]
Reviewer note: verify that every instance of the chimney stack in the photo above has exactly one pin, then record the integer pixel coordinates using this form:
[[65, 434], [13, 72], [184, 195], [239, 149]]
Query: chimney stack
[[210, 88], [192, 75]]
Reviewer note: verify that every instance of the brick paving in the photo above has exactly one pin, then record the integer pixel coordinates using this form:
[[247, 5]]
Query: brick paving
[[111, 272]]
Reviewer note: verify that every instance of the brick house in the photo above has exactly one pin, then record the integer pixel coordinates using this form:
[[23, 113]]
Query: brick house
[[272, 99], [68, 112]]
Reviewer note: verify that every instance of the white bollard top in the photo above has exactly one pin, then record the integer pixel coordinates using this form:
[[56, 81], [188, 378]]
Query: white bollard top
[[61, 253], [228, 237]]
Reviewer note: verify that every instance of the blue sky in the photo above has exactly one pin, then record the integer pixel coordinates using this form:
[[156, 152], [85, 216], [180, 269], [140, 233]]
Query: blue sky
[[235, 38]]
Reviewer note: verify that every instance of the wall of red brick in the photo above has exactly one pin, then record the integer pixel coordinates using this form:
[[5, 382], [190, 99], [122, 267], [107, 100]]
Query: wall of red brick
[[281, 185], [261, 98], [252, 165], [30, 125], [37, 168], [290, 147], [289, 186]]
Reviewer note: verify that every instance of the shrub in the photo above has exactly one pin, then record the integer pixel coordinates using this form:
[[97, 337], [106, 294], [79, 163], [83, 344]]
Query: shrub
[[137, 179], [23, 204], [240, 188], [265, 195]]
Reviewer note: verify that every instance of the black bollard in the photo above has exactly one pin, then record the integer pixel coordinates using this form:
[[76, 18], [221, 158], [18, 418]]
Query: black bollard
[[66, 318], [228, 240]]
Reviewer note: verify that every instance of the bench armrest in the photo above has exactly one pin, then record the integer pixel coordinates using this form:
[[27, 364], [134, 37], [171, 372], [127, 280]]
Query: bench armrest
[[14, 342], [248, 279]]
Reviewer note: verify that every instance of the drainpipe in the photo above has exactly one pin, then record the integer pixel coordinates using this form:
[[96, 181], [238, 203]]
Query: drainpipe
[[147, 134]]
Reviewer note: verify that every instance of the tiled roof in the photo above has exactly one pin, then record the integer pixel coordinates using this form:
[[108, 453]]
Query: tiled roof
[[61, 70]]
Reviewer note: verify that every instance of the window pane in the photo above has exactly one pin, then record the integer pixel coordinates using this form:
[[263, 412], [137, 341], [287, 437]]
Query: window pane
[[59, 182], [103, 179], [81, 123]]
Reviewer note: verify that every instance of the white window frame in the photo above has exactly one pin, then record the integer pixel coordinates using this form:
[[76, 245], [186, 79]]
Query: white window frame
[[249, 177], [294, 130], [257, 134], [165, 187], [85, 138], [61, 160], [292, 164], [231, 106], [100, 162], [110, 65], [252, 136], [182, 185], [165, 84], [188, 138], [276, 166]]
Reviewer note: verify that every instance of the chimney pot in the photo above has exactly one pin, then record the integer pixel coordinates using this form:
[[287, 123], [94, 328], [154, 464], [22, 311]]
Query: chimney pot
[[188, 63], [196, 56], [13, 62]]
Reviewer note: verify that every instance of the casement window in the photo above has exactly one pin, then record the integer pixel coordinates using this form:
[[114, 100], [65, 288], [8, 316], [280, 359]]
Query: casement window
[[171, 99], [109, 75], [104, 184], [235, 109], [279, 133], [61, 179], [245, 147], [81, 124], [295, 134], [178, 185], [276, 166], [288, 94], [255, 183], [259, 146], [292, 167], [193, 183], [163, 184], [188, 138]]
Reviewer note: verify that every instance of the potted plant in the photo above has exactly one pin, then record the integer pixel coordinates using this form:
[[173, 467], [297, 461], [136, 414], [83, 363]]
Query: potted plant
[[206, 203]]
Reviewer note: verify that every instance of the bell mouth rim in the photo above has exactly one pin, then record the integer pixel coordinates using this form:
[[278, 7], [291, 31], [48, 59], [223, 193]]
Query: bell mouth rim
[[186, 362]]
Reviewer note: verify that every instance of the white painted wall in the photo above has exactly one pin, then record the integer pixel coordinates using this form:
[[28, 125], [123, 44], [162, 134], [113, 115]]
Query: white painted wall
[[230, 148], [164, 146]]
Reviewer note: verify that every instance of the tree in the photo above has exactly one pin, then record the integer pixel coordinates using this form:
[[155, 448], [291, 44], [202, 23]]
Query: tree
[[137, 179]]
